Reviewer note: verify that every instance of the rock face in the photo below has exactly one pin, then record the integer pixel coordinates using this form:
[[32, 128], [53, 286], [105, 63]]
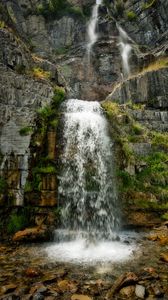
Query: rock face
[[40, 49]]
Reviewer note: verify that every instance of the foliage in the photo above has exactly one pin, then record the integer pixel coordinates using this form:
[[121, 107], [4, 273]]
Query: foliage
[[111, 108], [58, 8], [17, 222], [40, 73], [45, 170], [131, 15], [45, 112], [59, 97], [137, 129], [26, 130], [160, 139]]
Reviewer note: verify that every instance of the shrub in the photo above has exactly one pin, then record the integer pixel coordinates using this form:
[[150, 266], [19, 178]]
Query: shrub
[[40, 73], [131, 15], [45, 112], [59, 96], [137, 129]]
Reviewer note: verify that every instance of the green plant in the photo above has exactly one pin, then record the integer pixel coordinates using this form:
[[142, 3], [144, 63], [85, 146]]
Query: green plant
[[45, 112], [17, 222], [40, 73], [26, 130], [59, 97], [137, 129], [131, 15], [45, 170], [28, 187]]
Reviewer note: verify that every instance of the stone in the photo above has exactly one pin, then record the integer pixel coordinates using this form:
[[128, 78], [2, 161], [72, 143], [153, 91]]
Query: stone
[[126, 279], [7, 288], [80, 297], [164, 257], [128, 291], [32, 234], [66, 285], [140, 291], [32, 272]]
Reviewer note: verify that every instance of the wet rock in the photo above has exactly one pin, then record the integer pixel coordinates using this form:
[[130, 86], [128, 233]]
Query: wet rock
[[127, 291], [164, 257], [157, 290], [126, 279], [38, 296], [34, 234], [66, 285], [140, 291], [80, 297], [32, 272], [7, 288], [53, 276]]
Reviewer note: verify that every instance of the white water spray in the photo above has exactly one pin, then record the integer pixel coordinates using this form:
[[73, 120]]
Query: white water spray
[[125, 49], [91, 31], [87, 183], [87, 190]]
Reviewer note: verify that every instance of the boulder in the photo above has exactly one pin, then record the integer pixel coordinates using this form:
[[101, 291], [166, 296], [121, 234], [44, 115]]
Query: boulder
[[35, 234]]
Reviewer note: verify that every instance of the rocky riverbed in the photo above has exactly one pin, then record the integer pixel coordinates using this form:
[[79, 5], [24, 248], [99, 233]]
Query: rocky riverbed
[[28, 273]]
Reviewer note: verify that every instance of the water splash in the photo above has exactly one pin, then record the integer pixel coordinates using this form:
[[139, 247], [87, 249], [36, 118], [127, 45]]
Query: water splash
[[125, 50], [87, 186], [91, 31]]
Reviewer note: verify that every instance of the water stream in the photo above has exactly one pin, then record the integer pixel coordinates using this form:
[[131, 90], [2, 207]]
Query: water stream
[[91, 31], [87, 189], [125, 50]]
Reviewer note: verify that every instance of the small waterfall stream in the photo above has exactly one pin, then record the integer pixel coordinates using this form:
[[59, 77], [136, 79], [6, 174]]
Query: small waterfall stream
[[125, 49], [91, 31]]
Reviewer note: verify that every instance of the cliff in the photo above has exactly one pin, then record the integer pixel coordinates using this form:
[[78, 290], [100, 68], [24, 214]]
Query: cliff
[[42, 49]]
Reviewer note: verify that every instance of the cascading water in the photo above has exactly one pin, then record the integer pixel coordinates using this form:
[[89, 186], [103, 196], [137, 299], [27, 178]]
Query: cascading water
[[87, 183], [125, 49], [91, 31], [87, 189]]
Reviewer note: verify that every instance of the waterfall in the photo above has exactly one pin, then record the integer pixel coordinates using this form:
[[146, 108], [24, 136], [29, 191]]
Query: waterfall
[[125, 49], [91, 30], [87, 185]]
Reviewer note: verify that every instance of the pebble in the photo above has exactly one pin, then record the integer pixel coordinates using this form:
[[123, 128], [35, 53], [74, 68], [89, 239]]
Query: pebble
[[140, 291]]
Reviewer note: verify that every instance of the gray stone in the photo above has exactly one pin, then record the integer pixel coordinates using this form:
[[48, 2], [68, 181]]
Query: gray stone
[[140, 291]]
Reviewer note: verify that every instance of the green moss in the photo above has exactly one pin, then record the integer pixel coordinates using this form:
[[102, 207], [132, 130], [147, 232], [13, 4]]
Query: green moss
[[26, 130], [131, 16], [45, 170], [17, 222], [28, 187]]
